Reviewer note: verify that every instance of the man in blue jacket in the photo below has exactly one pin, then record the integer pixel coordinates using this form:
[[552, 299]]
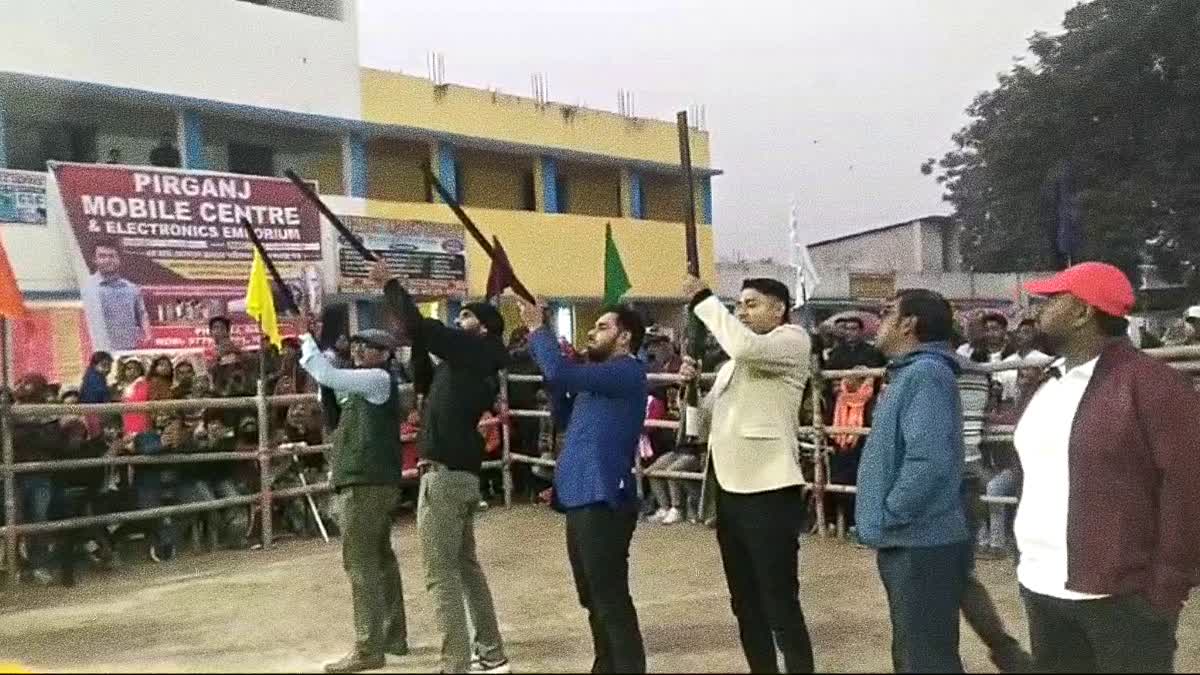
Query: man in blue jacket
[[604, 404], [909, 480]]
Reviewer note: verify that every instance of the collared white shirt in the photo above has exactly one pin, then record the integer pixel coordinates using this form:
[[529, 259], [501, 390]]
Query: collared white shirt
[[1008, 378], [1042, 439]]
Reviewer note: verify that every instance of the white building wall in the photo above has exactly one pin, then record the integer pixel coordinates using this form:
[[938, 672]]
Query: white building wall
[[223, 50], [888, 250]]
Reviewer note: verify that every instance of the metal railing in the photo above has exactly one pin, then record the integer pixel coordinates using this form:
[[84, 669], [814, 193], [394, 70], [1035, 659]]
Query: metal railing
[[813, 442]]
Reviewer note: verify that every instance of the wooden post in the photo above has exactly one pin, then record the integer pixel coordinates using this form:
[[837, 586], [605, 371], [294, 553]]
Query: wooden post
[[506, 441], [818, 384], [264, 459]]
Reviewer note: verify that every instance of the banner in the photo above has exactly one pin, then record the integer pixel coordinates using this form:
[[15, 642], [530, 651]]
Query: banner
[[22, 197], [159, 252], [431, 258]]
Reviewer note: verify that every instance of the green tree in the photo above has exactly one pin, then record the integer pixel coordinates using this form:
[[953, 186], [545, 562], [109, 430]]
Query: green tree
[[1115, 96]]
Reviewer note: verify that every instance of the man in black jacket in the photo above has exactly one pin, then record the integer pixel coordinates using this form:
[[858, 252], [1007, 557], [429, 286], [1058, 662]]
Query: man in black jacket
[[464, 385]]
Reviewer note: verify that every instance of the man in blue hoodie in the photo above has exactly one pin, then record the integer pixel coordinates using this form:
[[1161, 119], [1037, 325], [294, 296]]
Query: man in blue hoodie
[[604, 405], [909, 483]]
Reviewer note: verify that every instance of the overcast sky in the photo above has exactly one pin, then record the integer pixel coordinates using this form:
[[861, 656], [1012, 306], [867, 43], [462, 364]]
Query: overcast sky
[[834, 103]]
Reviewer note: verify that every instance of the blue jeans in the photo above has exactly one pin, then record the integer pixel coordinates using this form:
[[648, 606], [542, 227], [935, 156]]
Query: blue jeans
[[231, 523], [36, 494], [924, 591], [148, 491]]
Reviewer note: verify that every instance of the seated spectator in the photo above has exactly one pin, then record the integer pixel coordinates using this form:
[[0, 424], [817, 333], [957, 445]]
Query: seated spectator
[[36, 440], [852, 349], [992, 539], [129, 371], [207, 481], [94, 388], [991, 345], [145, 436], [1024, 345], [491, 480], [410, 452], [185, 379], [854, 399], [672, 495], [290, 377]]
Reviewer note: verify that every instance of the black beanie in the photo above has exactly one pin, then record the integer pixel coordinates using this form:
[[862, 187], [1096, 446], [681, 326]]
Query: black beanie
[[489, 316]]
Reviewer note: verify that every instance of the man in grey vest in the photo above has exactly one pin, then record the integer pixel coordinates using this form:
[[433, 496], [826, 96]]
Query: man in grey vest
[[366, 478]]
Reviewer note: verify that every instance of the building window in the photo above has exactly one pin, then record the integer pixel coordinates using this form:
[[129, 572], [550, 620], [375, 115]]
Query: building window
[[255, 160], [528, 195], [564, 194]]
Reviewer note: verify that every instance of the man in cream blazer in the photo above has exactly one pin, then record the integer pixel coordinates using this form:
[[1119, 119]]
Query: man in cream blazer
[[752, 415]]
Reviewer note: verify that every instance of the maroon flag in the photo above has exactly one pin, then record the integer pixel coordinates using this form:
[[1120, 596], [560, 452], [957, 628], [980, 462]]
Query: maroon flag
[[501, 275]]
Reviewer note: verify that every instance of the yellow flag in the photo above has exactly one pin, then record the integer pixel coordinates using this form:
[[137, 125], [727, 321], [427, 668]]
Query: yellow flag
[[260, 304]]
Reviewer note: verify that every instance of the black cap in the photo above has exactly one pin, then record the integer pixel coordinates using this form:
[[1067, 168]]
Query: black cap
[[489, 316]]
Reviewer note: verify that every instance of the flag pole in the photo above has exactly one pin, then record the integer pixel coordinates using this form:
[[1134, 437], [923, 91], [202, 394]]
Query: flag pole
[[283, 287], [695, 329]]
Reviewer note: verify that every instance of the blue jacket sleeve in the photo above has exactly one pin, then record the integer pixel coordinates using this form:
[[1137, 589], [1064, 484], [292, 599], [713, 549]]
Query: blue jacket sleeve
[[622, 377], [931, 433]]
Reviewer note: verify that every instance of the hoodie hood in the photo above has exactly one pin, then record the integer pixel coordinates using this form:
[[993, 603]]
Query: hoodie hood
[[930, 350]]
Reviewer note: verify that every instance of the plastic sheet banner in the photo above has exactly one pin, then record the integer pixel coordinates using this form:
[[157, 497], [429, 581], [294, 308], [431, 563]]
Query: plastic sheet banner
[[22, 197], [159, 252], [431, 258]]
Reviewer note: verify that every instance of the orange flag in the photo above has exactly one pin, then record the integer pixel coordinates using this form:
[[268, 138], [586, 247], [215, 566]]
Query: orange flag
[[12, 305]]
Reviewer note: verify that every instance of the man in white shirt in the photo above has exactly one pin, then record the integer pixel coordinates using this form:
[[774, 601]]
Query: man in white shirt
[[1108, 526], [1025, 349]]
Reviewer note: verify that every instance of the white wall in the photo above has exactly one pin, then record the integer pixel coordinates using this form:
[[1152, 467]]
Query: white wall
[[224, 50], [888, 250]]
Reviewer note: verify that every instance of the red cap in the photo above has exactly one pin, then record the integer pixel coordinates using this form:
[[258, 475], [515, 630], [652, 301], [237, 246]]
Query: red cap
[[1098, 284]]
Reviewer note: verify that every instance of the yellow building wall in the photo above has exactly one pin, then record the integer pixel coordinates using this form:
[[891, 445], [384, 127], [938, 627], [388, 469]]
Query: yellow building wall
[[403, 100], [394, 170], [492, 181], [593, 190], [562, 256], [327, 170]]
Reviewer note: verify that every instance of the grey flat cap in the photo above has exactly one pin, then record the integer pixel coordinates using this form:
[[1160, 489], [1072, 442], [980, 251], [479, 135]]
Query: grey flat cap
[[376, 338]]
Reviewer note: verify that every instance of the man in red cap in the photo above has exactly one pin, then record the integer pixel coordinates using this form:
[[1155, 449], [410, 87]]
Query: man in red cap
[[1109, 524]]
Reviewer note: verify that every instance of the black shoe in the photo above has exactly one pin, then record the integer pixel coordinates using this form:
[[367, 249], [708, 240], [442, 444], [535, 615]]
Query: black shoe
[[398, 649], [1013, 660], [355, 662]]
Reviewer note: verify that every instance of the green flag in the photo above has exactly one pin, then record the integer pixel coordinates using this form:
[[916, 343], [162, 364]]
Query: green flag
[[616, 281]]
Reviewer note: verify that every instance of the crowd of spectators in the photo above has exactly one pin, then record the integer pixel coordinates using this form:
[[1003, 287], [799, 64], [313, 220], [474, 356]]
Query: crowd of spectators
[[225, 370], [988, 400]]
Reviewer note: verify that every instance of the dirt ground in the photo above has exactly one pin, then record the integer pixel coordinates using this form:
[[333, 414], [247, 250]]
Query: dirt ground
[[288, 609]]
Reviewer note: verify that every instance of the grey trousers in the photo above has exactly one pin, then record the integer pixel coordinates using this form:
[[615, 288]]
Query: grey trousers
[[462, 601], [366, 522]]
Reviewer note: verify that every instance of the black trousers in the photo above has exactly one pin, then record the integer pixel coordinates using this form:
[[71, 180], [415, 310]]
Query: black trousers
[[598, 547], [1119, 634], [759, 536], [924, 591]]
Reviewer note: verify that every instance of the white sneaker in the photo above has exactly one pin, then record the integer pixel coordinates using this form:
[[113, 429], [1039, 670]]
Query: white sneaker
[[658, 516], [673, 516], [501, 667]]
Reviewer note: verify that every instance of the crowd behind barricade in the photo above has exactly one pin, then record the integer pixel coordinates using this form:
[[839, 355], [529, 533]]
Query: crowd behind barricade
[[989, 400], [225, 370]]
